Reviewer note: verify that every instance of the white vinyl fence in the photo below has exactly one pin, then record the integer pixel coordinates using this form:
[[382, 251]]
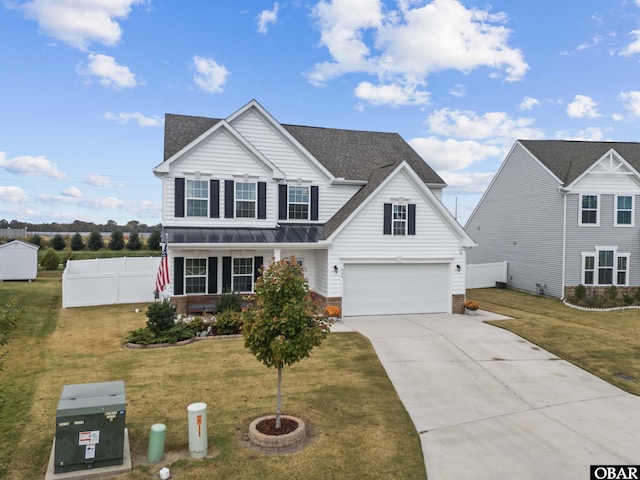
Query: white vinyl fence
[[105, 281], [484, 275]]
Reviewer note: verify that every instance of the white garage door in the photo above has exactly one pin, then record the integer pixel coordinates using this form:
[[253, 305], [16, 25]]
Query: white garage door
[[385, 289]]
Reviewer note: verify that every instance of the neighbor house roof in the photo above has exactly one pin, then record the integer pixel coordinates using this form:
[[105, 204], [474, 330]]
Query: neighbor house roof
[[568, 159]]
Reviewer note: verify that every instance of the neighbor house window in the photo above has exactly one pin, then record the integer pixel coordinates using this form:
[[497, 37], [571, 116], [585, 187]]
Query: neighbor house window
[[399, 219], [624, 210], [197, 198], [195, 275], [605, 267], [589, 210], [242, 274], [298, 203], [245, 200]]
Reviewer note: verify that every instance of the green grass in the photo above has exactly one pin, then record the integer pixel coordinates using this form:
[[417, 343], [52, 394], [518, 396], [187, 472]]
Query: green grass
[[360, 428], [606, 344]]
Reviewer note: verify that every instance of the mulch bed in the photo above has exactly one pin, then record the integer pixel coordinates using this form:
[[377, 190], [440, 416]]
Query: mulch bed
[[268, 426]]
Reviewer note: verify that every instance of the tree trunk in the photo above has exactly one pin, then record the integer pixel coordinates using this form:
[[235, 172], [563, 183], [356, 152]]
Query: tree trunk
[[279, 402]]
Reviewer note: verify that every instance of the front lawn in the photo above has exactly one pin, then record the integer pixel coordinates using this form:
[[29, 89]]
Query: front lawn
[[606, 344], [360, 428]]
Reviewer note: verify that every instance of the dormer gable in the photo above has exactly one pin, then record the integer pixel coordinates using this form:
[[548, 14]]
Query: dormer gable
[[610, 173]]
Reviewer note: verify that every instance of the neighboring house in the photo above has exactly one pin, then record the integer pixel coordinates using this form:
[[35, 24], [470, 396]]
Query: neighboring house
[[360, 210], [562, 213], [18, 261]]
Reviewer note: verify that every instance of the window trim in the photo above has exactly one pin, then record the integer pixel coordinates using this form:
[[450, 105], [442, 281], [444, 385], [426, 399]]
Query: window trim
[[616, 210], [307, 203], [187, 276], [234, 275], [580, 210], [235, 198], [205, 198], [595, 255]]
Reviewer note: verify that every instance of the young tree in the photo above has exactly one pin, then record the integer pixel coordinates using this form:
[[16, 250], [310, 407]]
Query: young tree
[[95, 241], [57, 242], [50, 260], [9, 316], [77, 243], [154, 240], [282, 328], [36, 239], [117, 240], [134, 242]]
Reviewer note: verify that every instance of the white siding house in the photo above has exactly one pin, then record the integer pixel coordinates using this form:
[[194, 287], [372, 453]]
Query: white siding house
[[18, 261], [361, 210]]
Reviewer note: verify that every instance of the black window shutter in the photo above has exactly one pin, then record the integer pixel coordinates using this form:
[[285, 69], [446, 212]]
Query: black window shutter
[[282, 202], [387, 219], [214, 198], [314, 202], [226, 274], [262, 200], [411, 230], [257, 263], [212, 275], [178, 275], [228, 198], [179, 197]]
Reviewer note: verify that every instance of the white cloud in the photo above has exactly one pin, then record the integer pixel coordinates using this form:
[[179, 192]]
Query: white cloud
[[595, 41], [497, 127], [394, 95], [15, 195], [143, 121], [467, 182], [452, 154], [79, 23], [110, 74], [31, 166], [583, 107], [72, 191], [211, 76], [631, 100], [458, 90], [267, 17], [405, 46], [592, 134], [633, 47], [528, 103], [98, 180]]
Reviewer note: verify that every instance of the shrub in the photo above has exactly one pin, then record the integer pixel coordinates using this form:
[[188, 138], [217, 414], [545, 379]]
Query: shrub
[[230, 301], [580, 292], [628, 299], [57, 242], [141, 336], [50, 260], [611, 293], [195, 324], [36, 239], [116, 242], [95, 241], [161, 317], [154, 240], [229, 322], [76, 242], [134, 242]]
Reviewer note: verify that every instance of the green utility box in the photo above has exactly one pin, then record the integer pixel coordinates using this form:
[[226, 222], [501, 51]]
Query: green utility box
[[90, 426]]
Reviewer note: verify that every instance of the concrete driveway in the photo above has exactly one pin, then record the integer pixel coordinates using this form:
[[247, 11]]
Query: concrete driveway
[[490, 405]]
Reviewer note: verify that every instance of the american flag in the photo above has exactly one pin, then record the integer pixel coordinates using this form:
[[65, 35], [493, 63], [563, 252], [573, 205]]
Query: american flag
[[163, 271]]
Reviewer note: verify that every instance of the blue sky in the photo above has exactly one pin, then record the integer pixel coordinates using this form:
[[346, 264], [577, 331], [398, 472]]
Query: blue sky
[[84, 85]]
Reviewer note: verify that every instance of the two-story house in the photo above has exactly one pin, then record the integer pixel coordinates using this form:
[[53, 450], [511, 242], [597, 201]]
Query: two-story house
[[562, 213], [360, 210]]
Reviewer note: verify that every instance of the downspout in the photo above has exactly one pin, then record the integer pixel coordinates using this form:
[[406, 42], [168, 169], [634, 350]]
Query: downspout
[[564, 192]]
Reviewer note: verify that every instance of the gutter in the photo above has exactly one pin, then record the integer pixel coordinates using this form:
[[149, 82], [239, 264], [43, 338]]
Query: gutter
[[564, 191]]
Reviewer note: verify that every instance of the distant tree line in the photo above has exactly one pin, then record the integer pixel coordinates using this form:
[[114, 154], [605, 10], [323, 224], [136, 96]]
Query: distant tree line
[[80, 226]]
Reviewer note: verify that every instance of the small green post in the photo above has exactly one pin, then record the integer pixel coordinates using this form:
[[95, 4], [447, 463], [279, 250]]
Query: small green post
[[156, 442]]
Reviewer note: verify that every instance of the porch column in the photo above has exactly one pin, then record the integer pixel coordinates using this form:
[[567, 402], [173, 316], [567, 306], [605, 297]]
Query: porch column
[[276, 254]]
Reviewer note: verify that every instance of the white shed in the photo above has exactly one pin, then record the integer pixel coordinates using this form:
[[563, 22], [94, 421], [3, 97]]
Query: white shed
[[18, 261]]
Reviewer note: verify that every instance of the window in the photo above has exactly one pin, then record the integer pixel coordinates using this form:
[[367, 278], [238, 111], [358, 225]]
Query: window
[[399, 219], [242, 275], [298, 203], [195, 274], [589, 268], [197, 198], [245, 200], [624, 210], [605, 267], [589, 210]]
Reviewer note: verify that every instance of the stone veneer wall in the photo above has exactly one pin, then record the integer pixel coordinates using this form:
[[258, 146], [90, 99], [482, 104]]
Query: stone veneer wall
[[600, 290], [457, 303]]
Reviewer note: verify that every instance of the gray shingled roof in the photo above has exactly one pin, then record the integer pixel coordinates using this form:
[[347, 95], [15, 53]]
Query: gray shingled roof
[[569, 159], [286, 233], [349, 154]]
